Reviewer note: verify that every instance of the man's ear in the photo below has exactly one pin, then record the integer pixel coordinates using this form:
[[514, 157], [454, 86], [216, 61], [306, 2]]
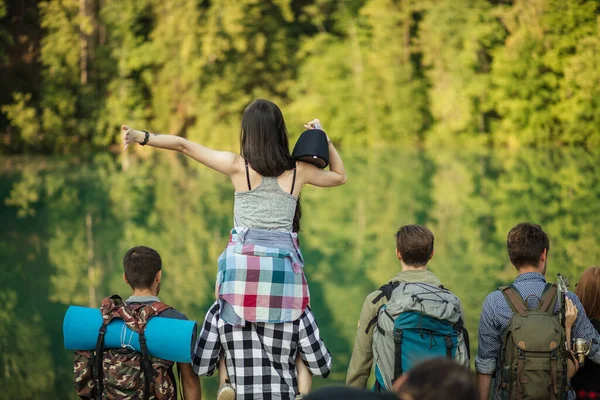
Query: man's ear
[[158, 276], [432, 253], [544, 257], [398, 254], [125, 279]]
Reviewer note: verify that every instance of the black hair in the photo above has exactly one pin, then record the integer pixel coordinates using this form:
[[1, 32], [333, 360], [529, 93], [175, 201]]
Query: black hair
[[141, 264], [264, 143]]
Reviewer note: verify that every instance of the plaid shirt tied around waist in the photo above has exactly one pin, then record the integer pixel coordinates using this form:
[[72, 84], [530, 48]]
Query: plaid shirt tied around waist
[[258, 283]]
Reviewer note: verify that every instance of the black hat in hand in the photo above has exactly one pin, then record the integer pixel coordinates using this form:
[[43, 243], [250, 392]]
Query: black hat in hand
[[312, 147]]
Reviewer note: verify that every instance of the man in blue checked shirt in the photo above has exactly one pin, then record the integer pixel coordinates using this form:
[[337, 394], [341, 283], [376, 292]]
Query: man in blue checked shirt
[[261, 357], [528, 247]]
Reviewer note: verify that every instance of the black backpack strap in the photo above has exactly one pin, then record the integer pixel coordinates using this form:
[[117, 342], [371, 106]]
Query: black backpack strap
[[97, 361], [386, 290], [397, 354], [460, 326], [514, 299], [467, 341], [449, 346], [146, 366]]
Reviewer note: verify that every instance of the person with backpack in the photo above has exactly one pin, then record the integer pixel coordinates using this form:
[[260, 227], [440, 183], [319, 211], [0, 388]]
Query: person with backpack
[[375, 342], [116, 374], [525, 328]]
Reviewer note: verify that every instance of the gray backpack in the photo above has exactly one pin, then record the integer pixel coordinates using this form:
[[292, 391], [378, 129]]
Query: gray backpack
[[419, 321]]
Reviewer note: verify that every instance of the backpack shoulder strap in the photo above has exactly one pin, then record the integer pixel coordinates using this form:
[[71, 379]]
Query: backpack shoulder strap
[[144, 313], [109, 309], [513, 297], [150, 311], [386, 290], [110, 306], [548, 297], [159, 307]]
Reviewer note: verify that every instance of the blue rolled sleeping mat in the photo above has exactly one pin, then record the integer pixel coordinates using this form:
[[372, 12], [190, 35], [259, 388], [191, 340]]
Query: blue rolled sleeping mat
[[167, 338]]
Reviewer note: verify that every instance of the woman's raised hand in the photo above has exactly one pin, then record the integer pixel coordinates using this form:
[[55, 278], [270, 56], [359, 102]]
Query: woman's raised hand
[[130, 136], [313, 124], [316, 124]]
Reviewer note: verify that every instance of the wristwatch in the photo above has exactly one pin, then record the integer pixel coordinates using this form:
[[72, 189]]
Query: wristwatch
[[146, 137]]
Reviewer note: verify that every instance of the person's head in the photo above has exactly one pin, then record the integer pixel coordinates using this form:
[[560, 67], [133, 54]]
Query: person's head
[[451, 382], [264, 140], [414, 245], [142, 269], [264, 143], [588, 291], [528, 247]]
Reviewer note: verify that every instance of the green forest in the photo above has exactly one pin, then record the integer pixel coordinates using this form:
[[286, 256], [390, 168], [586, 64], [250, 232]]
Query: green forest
[[502, 73], [467, 116]]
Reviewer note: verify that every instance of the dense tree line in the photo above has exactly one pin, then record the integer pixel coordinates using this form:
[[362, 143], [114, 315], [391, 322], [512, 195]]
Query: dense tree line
[[495, 72]]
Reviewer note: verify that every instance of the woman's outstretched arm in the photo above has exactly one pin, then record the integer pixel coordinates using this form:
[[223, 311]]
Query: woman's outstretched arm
[[223, 161], [335, 176]]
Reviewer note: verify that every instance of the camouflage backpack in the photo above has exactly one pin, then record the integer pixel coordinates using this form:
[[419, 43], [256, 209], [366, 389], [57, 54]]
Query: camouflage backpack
[[120, 374]]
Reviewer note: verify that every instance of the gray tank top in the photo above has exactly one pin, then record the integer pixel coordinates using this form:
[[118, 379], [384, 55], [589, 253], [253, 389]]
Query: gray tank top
[[267, 206]]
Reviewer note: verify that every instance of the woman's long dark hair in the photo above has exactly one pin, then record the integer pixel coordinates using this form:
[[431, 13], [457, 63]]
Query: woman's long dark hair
[[264, 143], [588, 291]]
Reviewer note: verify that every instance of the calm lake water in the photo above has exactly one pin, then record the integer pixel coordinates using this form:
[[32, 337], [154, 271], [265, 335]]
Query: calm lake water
[[65, 224]]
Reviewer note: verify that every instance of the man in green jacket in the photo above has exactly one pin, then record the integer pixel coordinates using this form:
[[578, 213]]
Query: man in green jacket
[[414, 248]]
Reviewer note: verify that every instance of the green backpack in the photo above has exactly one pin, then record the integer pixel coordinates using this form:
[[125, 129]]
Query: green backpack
[[534, 356]]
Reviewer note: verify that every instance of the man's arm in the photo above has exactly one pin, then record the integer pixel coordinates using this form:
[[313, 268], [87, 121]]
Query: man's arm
[[359, 368], [490, 345], [583, 328], [190, 382], [208, 346], [484, 383], [312, 349]]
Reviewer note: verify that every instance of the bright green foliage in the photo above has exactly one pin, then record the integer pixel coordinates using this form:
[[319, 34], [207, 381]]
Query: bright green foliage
[[535, 91], [375, 71], [457, 39], [363, 78]]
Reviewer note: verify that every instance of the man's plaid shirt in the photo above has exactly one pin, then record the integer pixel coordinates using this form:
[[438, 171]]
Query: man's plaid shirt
[[261, 357]]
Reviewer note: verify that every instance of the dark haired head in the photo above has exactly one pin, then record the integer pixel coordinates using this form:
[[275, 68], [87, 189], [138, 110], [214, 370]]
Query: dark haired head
[[438, 378], [526, 243], [264, 143], [415, 244], [141, 264], [264, 140]]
